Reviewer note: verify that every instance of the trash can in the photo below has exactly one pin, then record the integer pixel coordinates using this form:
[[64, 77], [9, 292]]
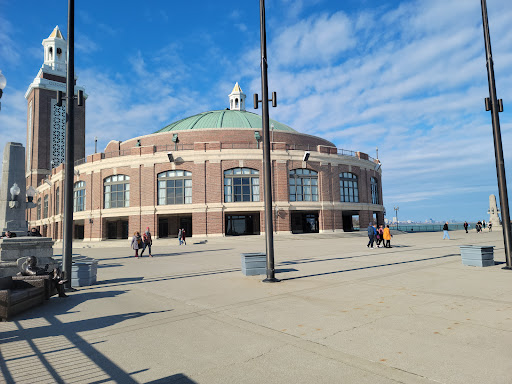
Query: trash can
[[477, 255], [254, 263], [84, 272]]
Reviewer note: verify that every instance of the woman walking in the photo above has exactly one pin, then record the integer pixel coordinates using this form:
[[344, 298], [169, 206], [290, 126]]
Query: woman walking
[[179, 236], [183, 238], [136, 243], [387, 237]]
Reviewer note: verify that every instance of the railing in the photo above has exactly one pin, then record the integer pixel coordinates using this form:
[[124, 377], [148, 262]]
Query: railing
[[121, 152], [174, 147], [428, 227], [240, 145], [80, 161], [346, 152]]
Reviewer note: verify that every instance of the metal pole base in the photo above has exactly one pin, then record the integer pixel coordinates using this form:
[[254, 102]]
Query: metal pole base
[[507, 268], [271, 280]]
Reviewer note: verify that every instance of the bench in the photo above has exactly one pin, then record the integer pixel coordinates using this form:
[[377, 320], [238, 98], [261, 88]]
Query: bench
[[49, 286], [18, 295]]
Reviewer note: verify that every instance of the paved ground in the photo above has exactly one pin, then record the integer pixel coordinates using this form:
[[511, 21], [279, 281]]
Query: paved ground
[[342, 313]]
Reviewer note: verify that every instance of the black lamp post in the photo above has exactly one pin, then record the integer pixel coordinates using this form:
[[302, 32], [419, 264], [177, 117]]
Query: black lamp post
[[495, 106], [267, 171], [70, 148]]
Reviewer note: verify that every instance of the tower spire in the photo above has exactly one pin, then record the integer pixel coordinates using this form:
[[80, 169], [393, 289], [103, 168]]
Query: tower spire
[[237, 99]]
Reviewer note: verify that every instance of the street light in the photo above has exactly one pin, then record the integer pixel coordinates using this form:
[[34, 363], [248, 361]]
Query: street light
[[397, 208], [3, 83]]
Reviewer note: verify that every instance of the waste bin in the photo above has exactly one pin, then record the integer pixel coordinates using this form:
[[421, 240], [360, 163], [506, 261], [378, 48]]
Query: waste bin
[[477, 255], [84, 272], [254, 263]]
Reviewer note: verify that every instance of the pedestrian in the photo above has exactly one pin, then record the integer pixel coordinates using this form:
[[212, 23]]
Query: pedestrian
[[147, 241], [371, 235], [387, 237], [490, 226], [445, 231], [478, 226], [466, 226], [183, 236], [380, 238], [179, 236], [136, 243], [34, 232], [483, 225]]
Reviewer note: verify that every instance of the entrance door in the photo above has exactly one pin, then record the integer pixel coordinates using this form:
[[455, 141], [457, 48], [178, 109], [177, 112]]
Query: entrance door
[[111, 230], [237, 225], [186, 223], [79, 232], [163, 227], [304, 222]]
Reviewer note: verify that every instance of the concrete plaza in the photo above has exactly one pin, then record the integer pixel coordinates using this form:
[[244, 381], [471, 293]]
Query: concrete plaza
[[342, 313]]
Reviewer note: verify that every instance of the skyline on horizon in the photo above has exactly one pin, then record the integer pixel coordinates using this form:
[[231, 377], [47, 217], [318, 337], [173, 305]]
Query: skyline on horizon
[[407, 77]]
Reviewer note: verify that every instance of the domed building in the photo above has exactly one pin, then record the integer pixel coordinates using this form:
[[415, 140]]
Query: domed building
[[204, 173]]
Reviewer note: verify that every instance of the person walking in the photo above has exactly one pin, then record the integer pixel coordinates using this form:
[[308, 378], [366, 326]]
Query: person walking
[[478, 226], [483, 225], [445, 231], [386, 235], [381, 236], [136, 243], [490, 226], [183, 236], [147, 242], [179, 236], [371, 235], [466, 225]]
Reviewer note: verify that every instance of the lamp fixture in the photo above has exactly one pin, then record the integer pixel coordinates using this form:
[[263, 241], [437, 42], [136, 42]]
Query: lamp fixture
[[306, 156], [171, 157]]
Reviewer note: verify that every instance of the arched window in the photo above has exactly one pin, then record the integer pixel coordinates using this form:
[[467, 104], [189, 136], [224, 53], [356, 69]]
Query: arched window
[[236, 102], [349, 192], [174, 187], [116, 191], [241, 184], [57, 201], [303, 185], [38, 209], [45, 207], [50, 53], [79, 196], [375, 190]]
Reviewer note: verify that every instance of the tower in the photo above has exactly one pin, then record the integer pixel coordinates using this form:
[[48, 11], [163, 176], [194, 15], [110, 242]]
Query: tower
[[237, 99], [46, 122]]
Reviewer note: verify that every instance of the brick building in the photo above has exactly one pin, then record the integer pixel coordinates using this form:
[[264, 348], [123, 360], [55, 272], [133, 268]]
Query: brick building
[[203, 173]]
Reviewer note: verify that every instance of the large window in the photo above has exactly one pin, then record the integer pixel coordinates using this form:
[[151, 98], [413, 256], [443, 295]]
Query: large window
[[241, 184], [303, 185], [57, 201], [38, 210], [117, 191], [175, 187], [79, 196], [349, 191], [375, 190], [45, 207]]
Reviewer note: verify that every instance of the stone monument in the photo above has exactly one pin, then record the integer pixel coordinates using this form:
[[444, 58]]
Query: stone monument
[[15, 251], [12, 190], [493, 212]]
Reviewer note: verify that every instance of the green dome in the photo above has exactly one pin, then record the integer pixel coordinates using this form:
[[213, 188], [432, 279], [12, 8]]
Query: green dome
[[223, 119]]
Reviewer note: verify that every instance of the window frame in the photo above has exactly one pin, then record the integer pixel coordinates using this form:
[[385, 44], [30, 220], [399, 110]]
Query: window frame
[[349, 187], [374, 186], [113, 181], [250, 188], [78, 196], [57, 201], [45, 206], [308, 181], [172, 177], [38, 209]]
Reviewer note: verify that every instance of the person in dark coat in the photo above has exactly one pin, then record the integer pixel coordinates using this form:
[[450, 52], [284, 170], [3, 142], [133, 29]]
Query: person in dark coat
[[183, 236], [147, 242], [445, 231], [371, 235], [466, 225]]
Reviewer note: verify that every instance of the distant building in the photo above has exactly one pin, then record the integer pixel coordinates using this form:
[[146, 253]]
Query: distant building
[[203, 173]]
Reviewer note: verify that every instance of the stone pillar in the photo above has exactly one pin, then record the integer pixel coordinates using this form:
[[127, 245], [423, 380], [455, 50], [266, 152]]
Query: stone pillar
[[365, 217], [12, 212]]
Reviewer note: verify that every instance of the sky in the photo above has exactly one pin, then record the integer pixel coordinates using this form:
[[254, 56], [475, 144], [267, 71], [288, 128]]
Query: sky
[[408, 77]]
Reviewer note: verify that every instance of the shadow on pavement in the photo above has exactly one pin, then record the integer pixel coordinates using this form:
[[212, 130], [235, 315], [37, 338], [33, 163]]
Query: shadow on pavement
[[178, 379], [129, 255], [50, 350], [368, 267]]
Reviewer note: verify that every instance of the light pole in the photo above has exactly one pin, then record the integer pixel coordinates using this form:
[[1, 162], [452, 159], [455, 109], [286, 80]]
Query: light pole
[[495, 106], [267, 170], [3, 83], [397, 208], [67, 253]]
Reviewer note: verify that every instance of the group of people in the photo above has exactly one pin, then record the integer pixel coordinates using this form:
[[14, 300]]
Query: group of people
[[379, 236], [142, 242], [145, 241], [480, 226]]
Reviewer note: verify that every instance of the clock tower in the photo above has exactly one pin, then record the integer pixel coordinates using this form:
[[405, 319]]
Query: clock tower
[[46, 121]]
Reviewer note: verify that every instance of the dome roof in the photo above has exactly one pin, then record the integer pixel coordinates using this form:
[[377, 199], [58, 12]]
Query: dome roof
[[223, 119]]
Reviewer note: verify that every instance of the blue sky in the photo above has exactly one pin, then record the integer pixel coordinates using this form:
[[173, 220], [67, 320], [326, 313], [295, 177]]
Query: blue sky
[[406, 76]]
